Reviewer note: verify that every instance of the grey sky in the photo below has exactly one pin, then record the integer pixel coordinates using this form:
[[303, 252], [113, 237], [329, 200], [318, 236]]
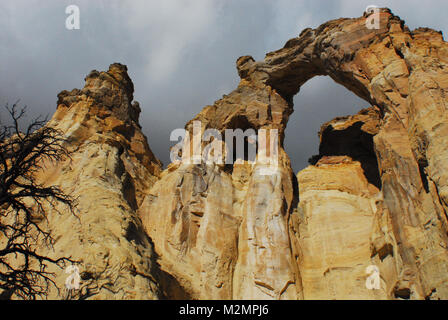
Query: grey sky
[[180, 54]]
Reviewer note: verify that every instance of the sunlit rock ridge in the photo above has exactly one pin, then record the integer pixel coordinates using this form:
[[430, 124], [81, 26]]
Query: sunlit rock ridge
[[376, 195]]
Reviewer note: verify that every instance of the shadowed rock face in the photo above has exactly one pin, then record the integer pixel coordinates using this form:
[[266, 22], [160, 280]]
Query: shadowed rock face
[[375, 195]]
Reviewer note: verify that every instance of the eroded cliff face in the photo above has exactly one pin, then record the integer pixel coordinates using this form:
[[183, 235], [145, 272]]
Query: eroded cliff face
[[375, 195], [334, 221], [377, 199], [110, 170]]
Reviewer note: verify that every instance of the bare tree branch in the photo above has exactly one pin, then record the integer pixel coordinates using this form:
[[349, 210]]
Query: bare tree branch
[[24, 203]]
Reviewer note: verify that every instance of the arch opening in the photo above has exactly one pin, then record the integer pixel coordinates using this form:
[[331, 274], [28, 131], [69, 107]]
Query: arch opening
[[320, 101]]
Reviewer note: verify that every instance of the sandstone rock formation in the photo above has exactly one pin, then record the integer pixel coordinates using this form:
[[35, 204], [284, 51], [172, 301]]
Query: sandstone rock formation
[[110, 170], [376, 194], [389, 193], [334, 221]]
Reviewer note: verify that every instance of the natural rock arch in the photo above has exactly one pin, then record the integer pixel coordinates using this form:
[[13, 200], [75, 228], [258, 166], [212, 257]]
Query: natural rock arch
[[257, 252]]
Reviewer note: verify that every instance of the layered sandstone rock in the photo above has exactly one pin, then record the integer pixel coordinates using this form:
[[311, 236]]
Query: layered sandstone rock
[[335, 217], [395, 216], [110, 169], [375, 195], [222, 230]]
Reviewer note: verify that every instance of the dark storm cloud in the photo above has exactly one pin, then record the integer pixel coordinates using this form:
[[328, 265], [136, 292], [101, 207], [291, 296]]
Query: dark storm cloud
[[180, 54]]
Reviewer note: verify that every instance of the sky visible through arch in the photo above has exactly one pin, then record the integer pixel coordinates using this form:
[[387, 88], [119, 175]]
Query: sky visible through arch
[[320, 99], [180, 55]]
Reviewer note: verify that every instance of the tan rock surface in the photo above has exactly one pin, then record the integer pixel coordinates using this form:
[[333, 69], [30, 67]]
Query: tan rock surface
[[335, 217], [335, 222], [375, 195], [399, 213], [111, 167]]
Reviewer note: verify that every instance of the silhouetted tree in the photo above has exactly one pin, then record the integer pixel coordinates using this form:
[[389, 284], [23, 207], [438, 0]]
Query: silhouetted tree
[[24, 203]]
